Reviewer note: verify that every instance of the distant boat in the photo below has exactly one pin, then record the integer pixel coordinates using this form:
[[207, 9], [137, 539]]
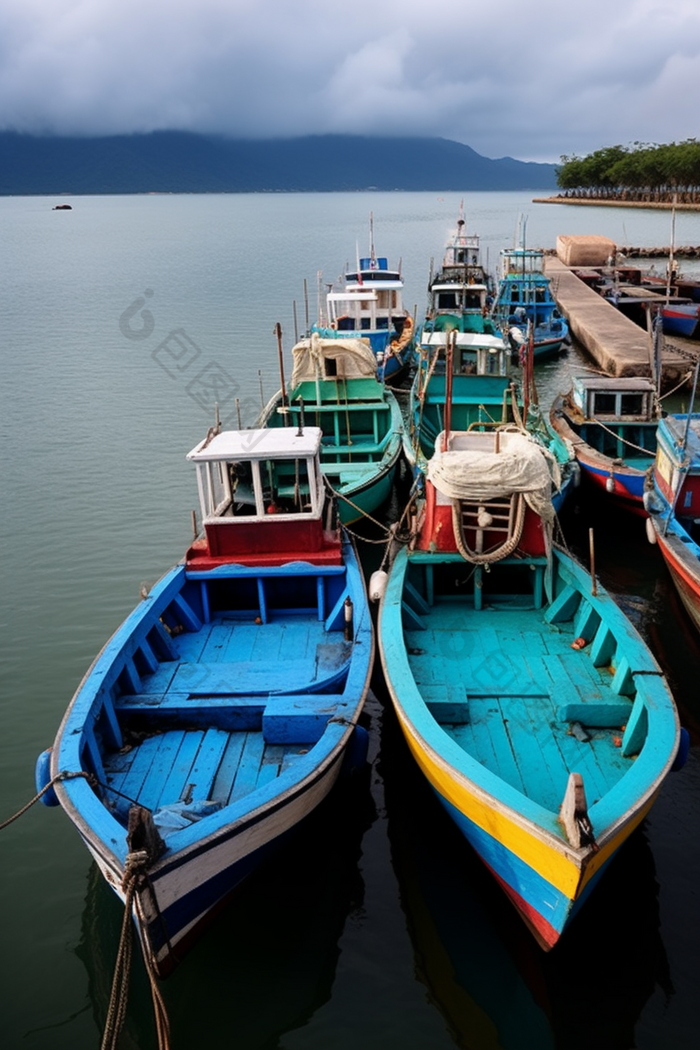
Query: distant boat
[[226, 706], [673, 502], [530, 703], [335, 387], [368, 305], [525, 298], [611, 424], [459, 293]]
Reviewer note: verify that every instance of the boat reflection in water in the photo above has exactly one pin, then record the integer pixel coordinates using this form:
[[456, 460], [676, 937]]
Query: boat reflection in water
[[493, 985], [268, 963]]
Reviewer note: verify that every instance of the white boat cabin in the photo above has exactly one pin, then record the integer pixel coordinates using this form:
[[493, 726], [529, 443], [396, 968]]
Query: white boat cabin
[[456, 296], [370, 299], [256, 473], [629, 399], [261, 493]]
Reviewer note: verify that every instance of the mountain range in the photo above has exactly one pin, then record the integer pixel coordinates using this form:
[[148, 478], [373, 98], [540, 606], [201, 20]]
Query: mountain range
[[183, 162]]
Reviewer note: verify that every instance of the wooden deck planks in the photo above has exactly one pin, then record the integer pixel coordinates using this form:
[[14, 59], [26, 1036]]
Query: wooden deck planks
[[519, 737]]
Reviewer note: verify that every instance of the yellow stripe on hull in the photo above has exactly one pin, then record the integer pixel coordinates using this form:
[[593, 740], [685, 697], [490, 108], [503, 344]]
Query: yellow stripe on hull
[[565, 868]]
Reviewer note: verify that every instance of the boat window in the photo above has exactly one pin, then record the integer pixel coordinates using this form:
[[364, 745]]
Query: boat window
[[631, 404], [603, 404], [285, 486]]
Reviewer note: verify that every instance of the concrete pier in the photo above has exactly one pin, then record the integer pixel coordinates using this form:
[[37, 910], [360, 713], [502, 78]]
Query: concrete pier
[[617, 345]]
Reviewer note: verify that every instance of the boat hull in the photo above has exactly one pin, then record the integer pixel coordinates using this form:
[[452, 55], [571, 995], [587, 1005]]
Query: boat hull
[[683, 564], [183, 897], [449, 714], [206, 726]]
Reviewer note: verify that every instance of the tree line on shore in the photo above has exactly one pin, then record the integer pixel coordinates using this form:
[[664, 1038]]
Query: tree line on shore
[[641, 172]]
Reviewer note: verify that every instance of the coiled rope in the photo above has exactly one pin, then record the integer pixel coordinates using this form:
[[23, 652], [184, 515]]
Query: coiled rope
[[495, 554]]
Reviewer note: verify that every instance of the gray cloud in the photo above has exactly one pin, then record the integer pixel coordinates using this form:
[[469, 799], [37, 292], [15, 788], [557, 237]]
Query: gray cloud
[[531, 81]]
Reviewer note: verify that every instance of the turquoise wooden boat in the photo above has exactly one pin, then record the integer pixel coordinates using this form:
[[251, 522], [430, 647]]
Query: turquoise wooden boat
[[529, 701], [225, 708], [334, 385], [468, 381]]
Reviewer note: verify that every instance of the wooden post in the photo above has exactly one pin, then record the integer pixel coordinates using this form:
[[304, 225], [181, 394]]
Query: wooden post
[[280, 356]]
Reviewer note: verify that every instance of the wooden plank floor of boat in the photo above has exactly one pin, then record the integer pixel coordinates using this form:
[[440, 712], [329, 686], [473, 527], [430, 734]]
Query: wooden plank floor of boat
[[505, 685]]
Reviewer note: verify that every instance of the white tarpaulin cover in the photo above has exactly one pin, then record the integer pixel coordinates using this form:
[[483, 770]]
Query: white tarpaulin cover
[[353, 358], [474, 475]]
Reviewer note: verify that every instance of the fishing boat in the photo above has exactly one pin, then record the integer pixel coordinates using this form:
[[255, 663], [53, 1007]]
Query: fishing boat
[[459, 294], [467, 381], [336, 387], [527, 698], [611, 423], [672, 499], [525, 298], [368, 304], [225, 708]]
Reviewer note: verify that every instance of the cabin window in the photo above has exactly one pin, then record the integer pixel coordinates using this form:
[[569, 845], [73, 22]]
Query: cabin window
[[447, 301], [632, 404], [286, 486], [603, 404]]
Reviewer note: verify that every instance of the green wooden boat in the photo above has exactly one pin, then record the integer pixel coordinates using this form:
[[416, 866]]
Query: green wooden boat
[[334, 386]]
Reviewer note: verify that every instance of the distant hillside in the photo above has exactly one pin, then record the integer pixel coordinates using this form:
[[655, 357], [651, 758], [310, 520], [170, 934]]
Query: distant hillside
[[178, 162]]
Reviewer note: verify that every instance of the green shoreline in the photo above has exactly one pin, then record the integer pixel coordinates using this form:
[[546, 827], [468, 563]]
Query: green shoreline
[[659, 205]]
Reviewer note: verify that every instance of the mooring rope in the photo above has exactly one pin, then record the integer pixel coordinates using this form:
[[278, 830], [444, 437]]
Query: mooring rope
[[64, 775], [134, 871], [625, 441]]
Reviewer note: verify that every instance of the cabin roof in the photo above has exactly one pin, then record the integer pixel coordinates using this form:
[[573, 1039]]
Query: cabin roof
[[267, 443], [625, 384]]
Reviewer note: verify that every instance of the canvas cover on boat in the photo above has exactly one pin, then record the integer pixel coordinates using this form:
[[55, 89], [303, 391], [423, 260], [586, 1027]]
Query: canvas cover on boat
[[327, 358], [473, 475]]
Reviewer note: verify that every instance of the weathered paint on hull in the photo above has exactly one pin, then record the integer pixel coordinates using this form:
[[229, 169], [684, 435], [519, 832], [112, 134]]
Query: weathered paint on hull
[[685, 573], [181, 898], [354, 505], [629, 485]]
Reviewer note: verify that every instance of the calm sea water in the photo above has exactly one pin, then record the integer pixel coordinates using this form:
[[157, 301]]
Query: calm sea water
[[122, 321]]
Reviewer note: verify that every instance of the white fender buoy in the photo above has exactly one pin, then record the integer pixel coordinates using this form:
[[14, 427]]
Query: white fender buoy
[[377, 585], [651, 531], [610, 484]]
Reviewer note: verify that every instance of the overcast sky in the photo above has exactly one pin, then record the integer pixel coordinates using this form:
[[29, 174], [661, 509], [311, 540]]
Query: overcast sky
[[531, 79]]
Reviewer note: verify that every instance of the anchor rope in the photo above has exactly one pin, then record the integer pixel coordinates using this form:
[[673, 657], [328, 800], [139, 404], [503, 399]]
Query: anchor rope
[[64, 775], [134, 872]]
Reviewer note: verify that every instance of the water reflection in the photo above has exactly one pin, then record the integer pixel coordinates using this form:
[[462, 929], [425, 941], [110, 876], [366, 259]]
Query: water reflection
[[493, 985], [268, 962]]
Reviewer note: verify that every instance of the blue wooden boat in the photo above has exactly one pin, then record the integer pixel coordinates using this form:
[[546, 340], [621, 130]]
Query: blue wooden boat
[[336, 387], [226, 706], [530, 703], [368, 305], [611, 423], [672, 499], [525, 298]]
